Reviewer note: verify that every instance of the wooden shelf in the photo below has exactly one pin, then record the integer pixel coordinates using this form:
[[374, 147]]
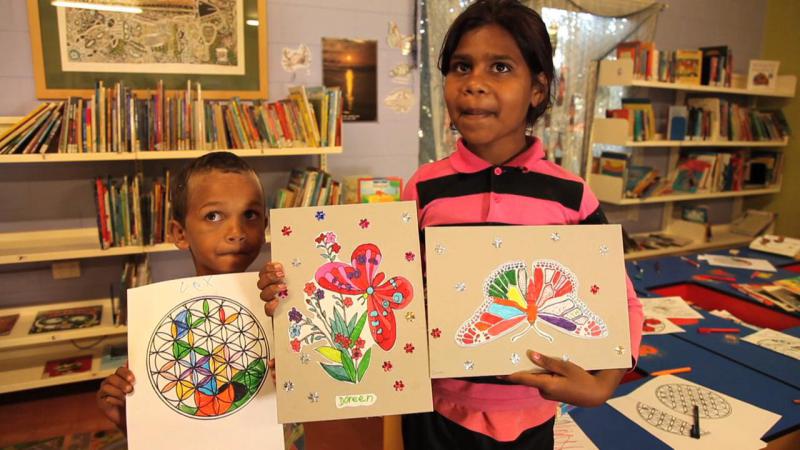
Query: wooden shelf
[[615, 132], [20, 337], [721, 239], [158, 155], [610, 189], [55, 245], [22, 369], [620, 73]]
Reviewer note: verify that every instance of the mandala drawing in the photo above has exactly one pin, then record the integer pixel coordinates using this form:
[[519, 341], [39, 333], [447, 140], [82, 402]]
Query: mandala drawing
[[514, 299], [207, 358], [665, 421], [681, 398], [342, 299]]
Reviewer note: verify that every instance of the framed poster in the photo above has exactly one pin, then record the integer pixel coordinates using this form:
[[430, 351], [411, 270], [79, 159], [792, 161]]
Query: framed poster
[[220, 44], [350, 334], [352, 64], [495, 292]]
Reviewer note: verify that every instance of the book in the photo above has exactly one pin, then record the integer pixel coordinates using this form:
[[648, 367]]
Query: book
[[770, 243], [66, 366], [613, 164], [66, 319], [7, 324], [379, 189], [638, 180], [688, 66], [762, 75], [642, 116], [677, 123], [714, 68]]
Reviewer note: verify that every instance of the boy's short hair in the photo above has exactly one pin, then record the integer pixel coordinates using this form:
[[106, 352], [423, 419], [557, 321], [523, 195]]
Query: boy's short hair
[[523, 24], [222, 161]]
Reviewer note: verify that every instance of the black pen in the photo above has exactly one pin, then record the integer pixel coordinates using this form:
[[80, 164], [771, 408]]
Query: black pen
[[695, 431]]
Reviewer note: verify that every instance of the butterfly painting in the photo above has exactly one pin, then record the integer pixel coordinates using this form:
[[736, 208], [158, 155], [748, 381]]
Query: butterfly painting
[[362, 278], [294, 59], [395, 39], [517, 301]]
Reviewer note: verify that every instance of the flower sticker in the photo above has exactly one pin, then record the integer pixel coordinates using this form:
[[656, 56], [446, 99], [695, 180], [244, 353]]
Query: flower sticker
[[410, 256], [320, 215], [410, 316], [436, 333], [295, 345], [387, 366], [595, 289], [363, 223], [310, 288], [409, 348], [286, 230], [399, 385], [295, 315]]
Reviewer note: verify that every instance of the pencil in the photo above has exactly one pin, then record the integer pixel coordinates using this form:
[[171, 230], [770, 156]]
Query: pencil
[[672, 371], [691, 261], [718, 330]]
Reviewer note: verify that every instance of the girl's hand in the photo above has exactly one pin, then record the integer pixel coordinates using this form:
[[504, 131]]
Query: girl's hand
[[271, 364], [270, 283], [566, 382], [112, 393]]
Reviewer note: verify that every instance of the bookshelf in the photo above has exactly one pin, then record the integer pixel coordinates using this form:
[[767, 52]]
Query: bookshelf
[[615, 132]]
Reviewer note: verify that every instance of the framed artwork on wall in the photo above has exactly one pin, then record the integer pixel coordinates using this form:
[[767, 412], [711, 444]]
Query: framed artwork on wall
[[221, 44]]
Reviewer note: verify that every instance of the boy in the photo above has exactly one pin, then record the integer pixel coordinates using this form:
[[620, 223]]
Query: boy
[[219, 216]]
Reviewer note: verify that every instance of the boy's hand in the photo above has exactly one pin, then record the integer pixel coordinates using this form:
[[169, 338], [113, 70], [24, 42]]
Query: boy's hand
[[567, 382], [270, 282], [111, 396]]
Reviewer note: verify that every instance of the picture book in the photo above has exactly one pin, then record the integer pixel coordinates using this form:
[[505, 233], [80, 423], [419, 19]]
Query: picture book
[[66, 319], [762, 75], [7, 324], [60, 367], [689, 66], [613, 164], [715, 68], [377, 190]]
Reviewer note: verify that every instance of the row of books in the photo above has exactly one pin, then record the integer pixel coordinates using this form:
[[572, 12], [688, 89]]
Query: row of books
[[696, 172], [711, 66], [135, 273], [718, 119], [117, 119], [639, 114], [132, 210], [309, 187]]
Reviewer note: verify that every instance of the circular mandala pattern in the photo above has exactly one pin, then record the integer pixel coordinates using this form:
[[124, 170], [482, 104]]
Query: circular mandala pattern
[[681, 398], [207, 358]]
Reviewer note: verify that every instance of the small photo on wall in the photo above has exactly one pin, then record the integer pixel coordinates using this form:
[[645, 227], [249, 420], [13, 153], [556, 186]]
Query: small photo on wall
[[352, 64]]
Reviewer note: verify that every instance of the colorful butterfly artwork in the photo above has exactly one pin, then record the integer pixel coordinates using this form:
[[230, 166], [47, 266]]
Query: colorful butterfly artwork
[[363, 279], [513, 299]]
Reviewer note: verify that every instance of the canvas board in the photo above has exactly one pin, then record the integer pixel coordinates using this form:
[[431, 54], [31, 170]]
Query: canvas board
[[199, 349], [350, 332], [776, 341], [664, 408], [573, 305], [672, 307]]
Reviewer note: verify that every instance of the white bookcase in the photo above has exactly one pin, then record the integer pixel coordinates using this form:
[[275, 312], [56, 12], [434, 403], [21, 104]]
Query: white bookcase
[[615, 132]]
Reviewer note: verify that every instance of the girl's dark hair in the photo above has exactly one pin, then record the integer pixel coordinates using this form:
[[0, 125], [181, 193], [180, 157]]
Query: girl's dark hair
[[222, 161], [523, 24]]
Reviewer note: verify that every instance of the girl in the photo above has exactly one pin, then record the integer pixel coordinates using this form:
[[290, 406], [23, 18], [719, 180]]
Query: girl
[[497, 62], [498, 68]]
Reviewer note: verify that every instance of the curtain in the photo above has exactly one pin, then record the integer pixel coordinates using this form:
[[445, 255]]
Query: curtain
[[582, 31]]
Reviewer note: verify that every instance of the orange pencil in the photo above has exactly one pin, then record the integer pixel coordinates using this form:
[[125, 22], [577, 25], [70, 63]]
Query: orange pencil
[[672, 371]]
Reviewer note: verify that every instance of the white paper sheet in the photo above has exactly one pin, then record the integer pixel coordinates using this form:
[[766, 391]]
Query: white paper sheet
[[663, 407], [194, 345], [569, 436], [654, 324], [671, 307], [737, 262], [776, 341]]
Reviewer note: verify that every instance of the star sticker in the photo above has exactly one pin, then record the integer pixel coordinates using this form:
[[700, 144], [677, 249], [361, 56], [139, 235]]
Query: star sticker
[[603, 250], [460, 287], [313, 397], [304, 359], [469, 365], [497, 243], [555, 237], [515, 359], [439, 249], [406, 217], [619, 349], [565, 357], [288, 386], [410, 316], [296, 262]]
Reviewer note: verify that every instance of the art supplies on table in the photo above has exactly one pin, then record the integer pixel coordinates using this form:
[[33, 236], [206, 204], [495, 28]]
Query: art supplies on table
[[737, 262], [776, 341], [665, 408]]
